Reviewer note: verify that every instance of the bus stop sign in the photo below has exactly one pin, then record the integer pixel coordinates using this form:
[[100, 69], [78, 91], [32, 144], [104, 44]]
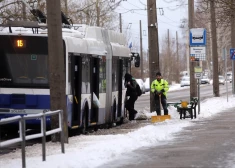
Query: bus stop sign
[[232, 53]]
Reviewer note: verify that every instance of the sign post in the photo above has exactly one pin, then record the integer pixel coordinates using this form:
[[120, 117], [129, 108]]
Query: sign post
[[197, 38], [198, 76], [232, 57], [197, 44], [224, 55]]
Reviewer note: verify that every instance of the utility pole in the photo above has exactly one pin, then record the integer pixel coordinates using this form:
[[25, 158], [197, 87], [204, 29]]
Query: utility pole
[[141, 53], [24, 11], [168, 43], [233, 46], [120, 22], [56, 66], [214, 50], [188, 52], [177, 58], [193, 81], [97, 13], [168, 50], [169, 61], [66, 7], [153, 45]]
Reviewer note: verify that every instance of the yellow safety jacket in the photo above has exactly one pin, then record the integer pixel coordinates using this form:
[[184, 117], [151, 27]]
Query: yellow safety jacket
[[159, 85]]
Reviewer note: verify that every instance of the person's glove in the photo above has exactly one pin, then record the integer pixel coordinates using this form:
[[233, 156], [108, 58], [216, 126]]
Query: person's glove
[[157, 93]]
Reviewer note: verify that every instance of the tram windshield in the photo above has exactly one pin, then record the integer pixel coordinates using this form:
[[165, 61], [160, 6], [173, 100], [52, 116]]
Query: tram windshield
[[24, 62]]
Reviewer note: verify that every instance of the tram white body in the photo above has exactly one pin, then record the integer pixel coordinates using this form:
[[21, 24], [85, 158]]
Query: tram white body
[[96, 61]]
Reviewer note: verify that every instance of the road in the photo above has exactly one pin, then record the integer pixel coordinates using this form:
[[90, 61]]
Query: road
[[206, 91], [209, 143]]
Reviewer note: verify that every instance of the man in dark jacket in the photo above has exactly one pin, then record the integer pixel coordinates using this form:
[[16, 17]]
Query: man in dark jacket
[[130, 84]]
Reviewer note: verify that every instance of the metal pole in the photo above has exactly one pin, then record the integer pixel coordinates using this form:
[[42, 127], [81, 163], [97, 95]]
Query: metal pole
[[43, 137], [188, 53], [62, 130], [225, 62], [177, 59], [232, 21], [233, 78], [120, 22], [22, 134], [141, 53], [199, 81]]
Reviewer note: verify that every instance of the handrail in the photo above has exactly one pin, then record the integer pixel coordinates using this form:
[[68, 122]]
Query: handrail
[[22, 138]]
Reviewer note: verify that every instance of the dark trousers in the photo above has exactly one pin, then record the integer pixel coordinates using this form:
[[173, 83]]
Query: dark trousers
[[163, 102], [130, 103]]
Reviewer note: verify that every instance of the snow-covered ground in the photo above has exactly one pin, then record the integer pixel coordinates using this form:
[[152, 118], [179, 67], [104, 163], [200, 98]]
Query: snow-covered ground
[[95, 150]]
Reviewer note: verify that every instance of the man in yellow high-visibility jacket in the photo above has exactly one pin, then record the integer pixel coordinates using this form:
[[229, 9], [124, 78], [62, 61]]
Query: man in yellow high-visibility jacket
[[160, 87]]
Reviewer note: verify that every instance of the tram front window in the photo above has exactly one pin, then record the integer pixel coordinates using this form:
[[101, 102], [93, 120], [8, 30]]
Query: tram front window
[[28, 69], [24, 67]]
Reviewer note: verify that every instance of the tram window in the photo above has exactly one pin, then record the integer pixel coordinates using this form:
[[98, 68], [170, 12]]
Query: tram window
[[126, 66], [4, 73], [126, 69], [69, 68], [27, 69], [85, 74], [126, 61], [24, 65], [115, 74], [102, 76]]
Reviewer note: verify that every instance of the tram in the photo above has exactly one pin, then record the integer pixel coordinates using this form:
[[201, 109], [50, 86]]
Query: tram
[[96, 60]]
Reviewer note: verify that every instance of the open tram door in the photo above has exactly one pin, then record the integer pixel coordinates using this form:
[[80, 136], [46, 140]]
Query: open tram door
[[94, 113], [76, 77], [120, 87]]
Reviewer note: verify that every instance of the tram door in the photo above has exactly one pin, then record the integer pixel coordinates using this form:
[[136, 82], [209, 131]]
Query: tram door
[[94, 87], [120, 80], [76, 78]]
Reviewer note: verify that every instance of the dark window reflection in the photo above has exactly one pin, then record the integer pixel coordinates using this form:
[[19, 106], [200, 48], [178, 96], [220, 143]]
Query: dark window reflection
[[28, 68], [85, 74], [115, 70], [102, 75]]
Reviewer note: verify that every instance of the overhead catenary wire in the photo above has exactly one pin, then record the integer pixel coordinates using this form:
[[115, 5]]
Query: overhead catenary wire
[[161, 7], [137, 10], [134, 5]]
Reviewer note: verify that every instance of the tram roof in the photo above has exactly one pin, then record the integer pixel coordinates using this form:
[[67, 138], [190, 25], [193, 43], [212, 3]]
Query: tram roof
[[80, 38]]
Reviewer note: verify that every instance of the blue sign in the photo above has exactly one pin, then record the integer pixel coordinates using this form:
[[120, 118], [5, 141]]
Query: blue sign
[[197, 37], [232, 53]]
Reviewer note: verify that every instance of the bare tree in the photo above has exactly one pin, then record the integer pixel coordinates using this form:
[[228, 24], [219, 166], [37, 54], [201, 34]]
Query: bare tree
[[93, 12], [88, 12], [224, 9], [168, 59]]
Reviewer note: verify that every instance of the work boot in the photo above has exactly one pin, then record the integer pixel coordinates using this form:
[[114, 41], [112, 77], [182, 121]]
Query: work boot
[[158, 113]]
